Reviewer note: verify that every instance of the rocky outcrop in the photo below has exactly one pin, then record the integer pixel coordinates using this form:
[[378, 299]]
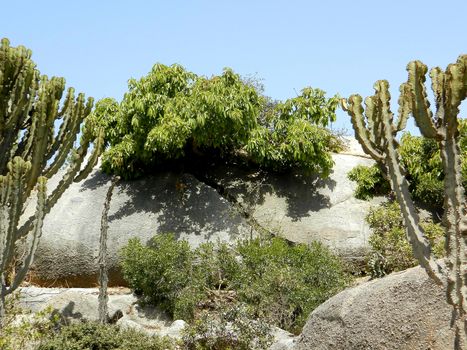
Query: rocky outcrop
[[205, 203], [166, 202], [302, 208], [77, 304], [404, 310]]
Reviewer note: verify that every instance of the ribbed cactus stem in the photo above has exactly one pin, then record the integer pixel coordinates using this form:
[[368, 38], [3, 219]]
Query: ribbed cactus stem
[[30, 152], [379, 137], [450, 89], [102, 258]]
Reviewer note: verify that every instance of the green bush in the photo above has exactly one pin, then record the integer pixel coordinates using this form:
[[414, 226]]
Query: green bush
[[370, 181], [96, 336], [390, 250], [280, 283], [230, 328], [159, 271], [22, 329], [422, 160]]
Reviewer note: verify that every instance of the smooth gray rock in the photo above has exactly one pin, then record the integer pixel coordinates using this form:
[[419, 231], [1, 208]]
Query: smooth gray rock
[[168, 202], [304, 208], [218, 203], [283, 340], [404, 310]]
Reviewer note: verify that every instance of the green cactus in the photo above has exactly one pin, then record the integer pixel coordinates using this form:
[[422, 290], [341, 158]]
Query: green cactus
[[376, 131], [31, 153]]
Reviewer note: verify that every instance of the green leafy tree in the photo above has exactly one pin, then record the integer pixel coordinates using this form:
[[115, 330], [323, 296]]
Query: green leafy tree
[[172, 114]]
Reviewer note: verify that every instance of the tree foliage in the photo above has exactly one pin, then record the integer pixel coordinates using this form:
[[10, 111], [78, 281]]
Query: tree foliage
[[171, 113]]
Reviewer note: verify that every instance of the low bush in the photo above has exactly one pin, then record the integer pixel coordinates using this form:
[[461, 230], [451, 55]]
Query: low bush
[[282, 283], [159, 271], [96, 336], [230, 328], [22, 329], [370, 182], [390, 250], [278, 282]]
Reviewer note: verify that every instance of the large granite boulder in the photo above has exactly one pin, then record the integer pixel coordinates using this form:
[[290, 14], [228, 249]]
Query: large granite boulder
[[166, 202], [211, 203], [300, 207], [404, 310]]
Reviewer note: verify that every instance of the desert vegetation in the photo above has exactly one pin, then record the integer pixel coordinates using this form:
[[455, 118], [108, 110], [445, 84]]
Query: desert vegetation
[[231, 295], [376, 130]]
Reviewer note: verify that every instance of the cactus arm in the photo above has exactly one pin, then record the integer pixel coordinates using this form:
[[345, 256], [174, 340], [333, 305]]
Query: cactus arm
[[453, 90], [12, 205], [66, 113], [405, 107], [92, 161], [36, 234], [373, 122], [420, 105], [17, 84], [354, 107], [420, 245], [80, 111], [454, 220], [44, 115], [67, 179], [5, 190], [102, 258]]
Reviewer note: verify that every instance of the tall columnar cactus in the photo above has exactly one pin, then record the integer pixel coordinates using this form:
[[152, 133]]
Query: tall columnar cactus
[[31, 152], [376, 131]]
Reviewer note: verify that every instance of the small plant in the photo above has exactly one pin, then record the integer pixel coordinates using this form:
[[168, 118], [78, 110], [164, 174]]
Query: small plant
[[390, 250], [161, 271], [25, 330], [370, 181], [279, 283], [230, 329], [97, 336]]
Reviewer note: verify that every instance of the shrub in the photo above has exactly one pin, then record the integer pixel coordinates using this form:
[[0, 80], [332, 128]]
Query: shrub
[[229, 329], [422, 160], [283, 283], [390, 250], [22, 329], [370, 181], [280, 283], [160, 271], [96, 336]]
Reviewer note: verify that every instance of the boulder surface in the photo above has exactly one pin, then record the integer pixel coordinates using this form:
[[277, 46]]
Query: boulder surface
[[404, 310], [220, 202]]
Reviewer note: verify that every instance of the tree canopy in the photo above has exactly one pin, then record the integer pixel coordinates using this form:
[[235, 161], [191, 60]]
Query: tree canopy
[[172, 113]]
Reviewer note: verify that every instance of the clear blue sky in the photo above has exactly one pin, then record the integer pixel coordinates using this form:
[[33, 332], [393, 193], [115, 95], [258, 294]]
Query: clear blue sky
[[339, 46]]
